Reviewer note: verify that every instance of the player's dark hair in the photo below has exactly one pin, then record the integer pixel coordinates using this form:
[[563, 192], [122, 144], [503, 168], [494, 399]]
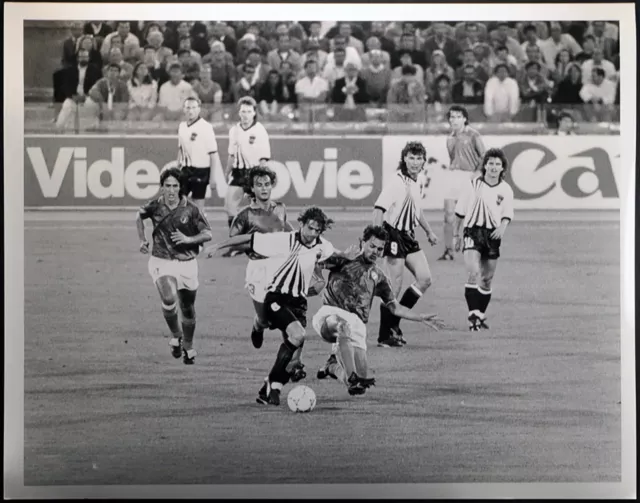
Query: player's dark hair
[[175, 173], [494, 153], [317, 215], [460, 109], [375, 231], [529, 28], [412, 147], [257, 172]]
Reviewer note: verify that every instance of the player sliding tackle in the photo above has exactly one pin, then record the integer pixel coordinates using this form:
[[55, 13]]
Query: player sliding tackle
[[486, 208], [285, 302], [347, 299], [179, 228]]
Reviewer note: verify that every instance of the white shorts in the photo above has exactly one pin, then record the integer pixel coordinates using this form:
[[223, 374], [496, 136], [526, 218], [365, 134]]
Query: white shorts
[[357, 329], [453, 182], [258, 275], [185, 272]]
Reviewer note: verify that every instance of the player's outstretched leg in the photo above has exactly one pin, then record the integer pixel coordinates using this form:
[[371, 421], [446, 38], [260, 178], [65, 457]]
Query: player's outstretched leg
[[168, 289], [386, 338], [449, 220], [187, 307], [260, 324], [487, 271], [472, 265]]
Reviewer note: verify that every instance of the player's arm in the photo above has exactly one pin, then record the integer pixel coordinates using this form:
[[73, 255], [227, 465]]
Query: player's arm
[[480, 148], [264, 147], [383, 203], [214, 158], [422, 220], [239, 225], [507, 216], [233, 147], [460, 212], [142, 214], [202, 229], [451, 149]]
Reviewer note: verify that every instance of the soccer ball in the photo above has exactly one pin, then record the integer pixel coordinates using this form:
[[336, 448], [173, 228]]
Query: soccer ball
[[301, 399]]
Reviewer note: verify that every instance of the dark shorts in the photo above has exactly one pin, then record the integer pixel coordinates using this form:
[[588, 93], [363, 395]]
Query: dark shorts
[[479, 239], [196, 181], [400, 244], [282, 310], [239, 177]]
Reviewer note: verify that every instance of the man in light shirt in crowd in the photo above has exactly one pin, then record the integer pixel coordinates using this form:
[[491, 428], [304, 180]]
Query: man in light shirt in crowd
[[531, 37], [599, 91], [557, 42], [129, 40], [598, 61], [501, 34], [501, 95], [351, 41], [314, 52], [335, 71], [311, 89], [374, 44], [351, 54], [173, 94]]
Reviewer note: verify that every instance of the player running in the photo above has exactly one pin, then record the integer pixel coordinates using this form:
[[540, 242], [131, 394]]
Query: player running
[[179, 228], [397, 210], [198, 155], [248, 147], [347, 300], [286, 299], [486, 208], [466, 149]]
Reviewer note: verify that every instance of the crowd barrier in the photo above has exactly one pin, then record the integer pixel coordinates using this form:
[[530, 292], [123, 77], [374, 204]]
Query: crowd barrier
[[341, 171]]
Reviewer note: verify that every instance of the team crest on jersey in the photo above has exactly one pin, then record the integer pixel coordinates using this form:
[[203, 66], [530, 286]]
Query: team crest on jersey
[[252, 140], [184, 219], [499, 200], [194, 136], [374, 276]]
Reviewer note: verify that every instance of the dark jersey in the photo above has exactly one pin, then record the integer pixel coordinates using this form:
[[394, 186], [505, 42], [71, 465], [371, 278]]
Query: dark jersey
[[465, 150], [353, 284], [254, 219], [186, 218]]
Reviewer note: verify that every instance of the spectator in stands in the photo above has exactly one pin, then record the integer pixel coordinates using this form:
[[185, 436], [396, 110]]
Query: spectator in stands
[[531, 37], [143, 93], [345, 31], [208, 90], [408, 45], [557, 42], [502, 57], [562, 64], [110, 95], [70, 45], [483, 54], [223, 71], [350, 91], [469, 59], [130, 42], [261, 73], [566, 124], [161, 54], [190, 68], [437, 67], [185, 45], [315, 36], [406, 60], [468, 90], [88, 43], [273, 94], [157, 70], [407, 90], [99, 30], [568, 90], [284, 53], [115, 58], [311, 89], [535, 55], [469, 33], [314, 52], [219, 31], [377, 76], [336, 70], [258, 39], [534, 88], [173, 93], [598, 61], [351, 54], [542, 30], [588, 46], [601, 40], [199, 38], [218, 49], [599, 91], [247, 84], [501, 35], [501, 95], [441, 41], [289, 80], [441, 93], [373, 44], [73, 85]]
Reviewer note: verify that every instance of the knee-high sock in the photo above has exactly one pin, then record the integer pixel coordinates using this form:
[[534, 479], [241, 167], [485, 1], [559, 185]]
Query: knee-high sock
[[471, 295], [409, 299], [170, 313], [361, 362], [347, 355], [189, 329], [448, 234], [279, 375], [386, 318], [295, 359], [484, 296]]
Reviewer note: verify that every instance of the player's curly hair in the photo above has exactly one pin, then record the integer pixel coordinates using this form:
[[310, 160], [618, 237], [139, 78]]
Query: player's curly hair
[[462, 110], [494, 153], [412, 147], [175, 173], [317, 215], [374, 231], [257, 172]]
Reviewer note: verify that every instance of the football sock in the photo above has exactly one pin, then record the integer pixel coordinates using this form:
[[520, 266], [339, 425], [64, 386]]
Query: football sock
[[361, 361], [279, 374], [258, 324], [295, 360], [384, 332], [471, 296], [409, 299], [484, 296], [188, 328], [347, 355], [170, 314]]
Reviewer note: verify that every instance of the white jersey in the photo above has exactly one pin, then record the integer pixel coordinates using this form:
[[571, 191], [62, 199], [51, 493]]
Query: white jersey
[[249, 146], [298, 261], [400, 200], [196, 141], [483, 205]]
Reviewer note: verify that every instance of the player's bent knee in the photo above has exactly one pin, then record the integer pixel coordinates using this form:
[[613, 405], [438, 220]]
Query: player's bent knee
[[296, 334]]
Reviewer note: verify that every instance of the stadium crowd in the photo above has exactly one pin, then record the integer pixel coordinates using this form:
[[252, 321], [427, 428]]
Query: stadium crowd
[[145, 70]]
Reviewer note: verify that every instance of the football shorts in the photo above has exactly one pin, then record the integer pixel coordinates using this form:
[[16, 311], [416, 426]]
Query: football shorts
[[196, 181], [282, 310], [454, 181], [257, 277], [239, 177], [184, 271], [479, 239], [357, 328], [400, 243]]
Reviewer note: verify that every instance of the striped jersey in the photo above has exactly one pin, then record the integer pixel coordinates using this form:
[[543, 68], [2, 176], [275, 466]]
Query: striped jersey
[[466, 149], [483, 205], [255, 219], [400, 200], [298, 261], [249, 146], [196, 141]]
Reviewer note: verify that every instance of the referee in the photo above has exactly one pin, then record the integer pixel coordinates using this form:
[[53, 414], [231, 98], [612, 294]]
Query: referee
[[197, 153]]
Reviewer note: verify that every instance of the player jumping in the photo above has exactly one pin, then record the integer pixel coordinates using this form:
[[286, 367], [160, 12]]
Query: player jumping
[[347, 300], [198, 155], [397, 210], [486, 208], [466, 149], [179, 228]]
